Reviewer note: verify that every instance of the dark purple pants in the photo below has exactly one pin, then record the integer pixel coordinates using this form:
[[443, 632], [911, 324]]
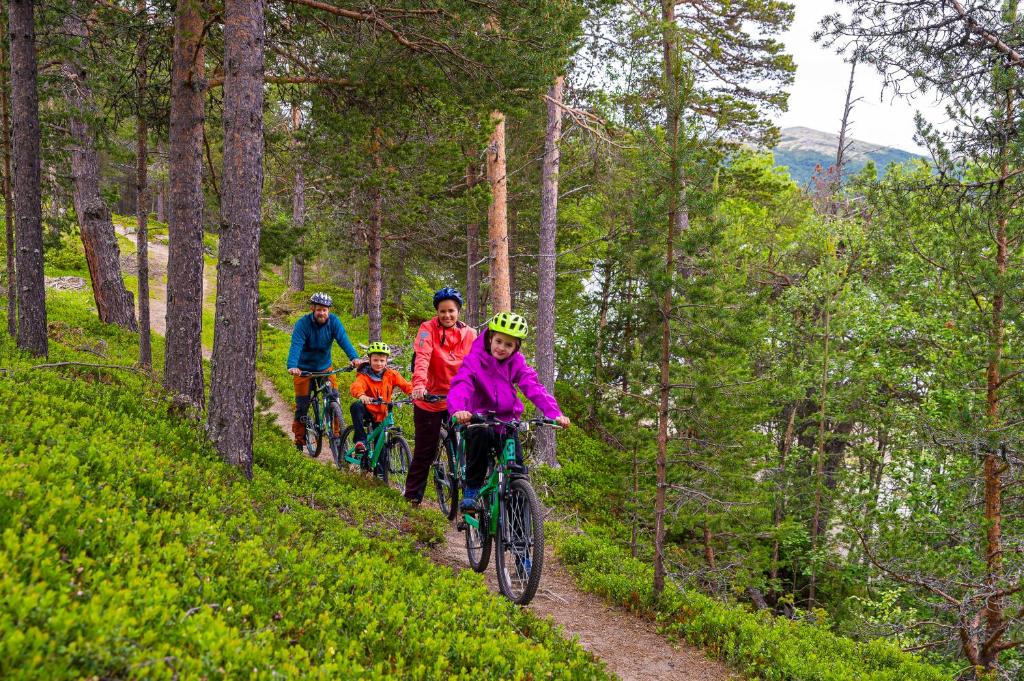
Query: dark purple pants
[[428, 431]]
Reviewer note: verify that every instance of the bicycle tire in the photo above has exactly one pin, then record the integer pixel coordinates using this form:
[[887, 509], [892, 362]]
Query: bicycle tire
[[337, 426], [348, 442], [478, 544], [520, 542], [314, 438], [446, 483], [399, 458]]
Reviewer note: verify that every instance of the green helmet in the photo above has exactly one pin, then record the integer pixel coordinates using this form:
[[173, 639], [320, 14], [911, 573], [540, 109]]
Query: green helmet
[[510, 324], [378, 348]]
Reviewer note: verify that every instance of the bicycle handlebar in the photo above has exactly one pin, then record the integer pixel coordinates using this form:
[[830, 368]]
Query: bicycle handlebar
[[392, 403], [488, 421], [434, 398], [318, 374]]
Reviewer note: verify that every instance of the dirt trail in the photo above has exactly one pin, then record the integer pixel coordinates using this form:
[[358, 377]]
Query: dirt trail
[[158, 285], [629, 645]]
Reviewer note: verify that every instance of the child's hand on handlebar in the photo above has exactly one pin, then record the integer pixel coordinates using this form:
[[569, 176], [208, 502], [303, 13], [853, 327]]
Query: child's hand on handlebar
[[562, 421], [365, 399], [295, 371], [462, 417]]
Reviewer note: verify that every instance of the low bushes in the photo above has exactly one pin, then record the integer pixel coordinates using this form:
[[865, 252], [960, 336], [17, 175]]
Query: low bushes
[[127, 550], [758, 644]]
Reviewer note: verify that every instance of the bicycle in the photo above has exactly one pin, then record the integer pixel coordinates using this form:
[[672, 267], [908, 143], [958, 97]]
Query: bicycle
[[322, 405], [508, 514], [387, 452]]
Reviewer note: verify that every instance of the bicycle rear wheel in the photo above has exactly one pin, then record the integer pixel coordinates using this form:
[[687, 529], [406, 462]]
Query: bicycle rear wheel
[[520, 542], [399, 455], [314, 438], [478, 543], [446, 483]]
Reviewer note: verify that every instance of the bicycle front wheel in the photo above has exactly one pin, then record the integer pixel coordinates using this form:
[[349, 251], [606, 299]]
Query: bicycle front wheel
[[314, 438], [445, 482], [337, 426], [399, 456], [520, 542]]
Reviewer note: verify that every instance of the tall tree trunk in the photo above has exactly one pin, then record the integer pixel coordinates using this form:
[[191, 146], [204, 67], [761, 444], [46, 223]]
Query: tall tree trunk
[[778, 513], [819, 458], [161, 189], [474, 315], [602, 322], [671, 86], [5, 122], [546, 268], [27, 203], [497, 217], [297, 271], [844, 126], [114, 303], [142, 189], [374, 246], [233, 378], [183, 364]]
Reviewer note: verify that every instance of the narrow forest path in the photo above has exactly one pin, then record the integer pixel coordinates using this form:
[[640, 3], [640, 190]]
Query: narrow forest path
[[629, 645]]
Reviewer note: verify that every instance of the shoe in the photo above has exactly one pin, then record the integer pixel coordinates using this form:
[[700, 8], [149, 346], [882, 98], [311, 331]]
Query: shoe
[[469, 497], [299, 447], [360, 448]]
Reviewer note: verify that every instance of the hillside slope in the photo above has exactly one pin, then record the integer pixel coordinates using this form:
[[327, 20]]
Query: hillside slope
[[801, 149]]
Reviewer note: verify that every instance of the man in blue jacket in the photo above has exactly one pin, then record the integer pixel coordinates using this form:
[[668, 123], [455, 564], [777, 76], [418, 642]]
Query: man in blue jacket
[[312, 339]]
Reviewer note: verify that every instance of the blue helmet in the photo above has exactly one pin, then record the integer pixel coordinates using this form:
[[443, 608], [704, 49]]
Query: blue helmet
[[447, 293]]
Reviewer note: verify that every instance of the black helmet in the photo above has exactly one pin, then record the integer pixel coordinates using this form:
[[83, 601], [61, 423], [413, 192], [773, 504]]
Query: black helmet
[[447, 293], [321, 298]]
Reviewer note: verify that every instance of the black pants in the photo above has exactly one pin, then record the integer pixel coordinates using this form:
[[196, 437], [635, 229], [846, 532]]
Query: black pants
[[361, 417], [481, 445], [428, 432]]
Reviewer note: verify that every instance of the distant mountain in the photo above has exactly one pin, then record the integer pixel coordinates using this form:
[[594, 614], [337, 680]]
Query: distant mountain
[[801, 149]]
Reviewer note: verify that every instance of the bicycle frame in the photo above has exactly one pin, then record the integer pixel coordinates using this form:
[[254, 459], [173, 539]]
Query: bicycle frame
[[377, 437], [497, 482]]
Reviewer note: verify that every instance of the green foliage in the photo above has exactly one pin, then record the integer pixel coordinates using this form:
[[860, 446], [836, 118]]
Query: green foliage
[[762, 646], [129, 550]]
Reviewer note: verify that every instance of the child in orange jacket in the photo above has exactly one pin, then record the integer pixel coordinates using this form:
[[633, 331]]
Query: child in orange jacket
[[374, 381]]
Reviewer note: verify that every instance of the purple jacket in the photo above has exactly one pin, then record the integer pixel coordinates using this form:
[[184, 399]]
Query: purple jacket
[[484, 384]]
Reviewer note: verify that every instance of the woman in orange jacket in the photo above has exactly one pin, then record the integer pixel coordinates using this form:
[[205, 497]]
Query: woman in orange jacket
[[440, 346]]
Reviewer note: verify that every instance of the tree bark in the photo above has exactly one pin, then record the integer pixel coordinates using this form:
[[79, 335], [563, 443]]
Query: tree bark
[[547, 265], [778, 513], [161, 190], [297, 271], [114, 303], [142, 190], [672, 131], [497, 217], [374, 246], [233, 378], [183, 364], [5, 122], [27, 202], [474, 315]]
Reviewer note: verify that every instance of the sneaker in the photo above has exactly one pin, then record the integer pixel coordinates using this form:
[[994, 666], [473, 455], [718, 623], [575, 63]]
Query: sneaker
[[469, 497], [299, 447], [360, 448]]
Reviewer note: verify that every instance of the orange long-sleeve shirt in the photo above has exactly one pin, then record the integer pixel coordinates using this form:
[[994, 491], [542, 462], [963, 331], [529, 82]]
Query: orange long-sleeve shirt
[[368, 384]]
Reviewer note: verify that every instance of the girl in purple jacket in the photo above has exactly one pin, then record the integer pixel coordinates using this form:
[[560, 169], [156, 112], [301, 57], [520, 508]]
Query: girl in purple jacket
[[487, 382]]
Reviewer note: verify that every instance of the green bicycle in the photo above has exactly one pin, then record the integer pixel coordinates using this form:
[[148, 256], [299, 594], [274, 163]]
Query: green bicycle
[[327, 417], [387, 452], [509, 514]]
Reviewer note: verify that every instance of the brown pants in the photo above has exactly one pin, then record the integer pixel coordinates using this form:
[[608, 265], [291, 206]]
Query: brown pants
[[302, 388]]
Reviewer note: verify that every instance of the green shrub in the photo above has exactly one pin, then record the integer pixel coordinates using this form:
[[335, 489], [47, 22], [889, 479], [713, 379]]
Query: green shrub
[[128, 550], [758, 644]]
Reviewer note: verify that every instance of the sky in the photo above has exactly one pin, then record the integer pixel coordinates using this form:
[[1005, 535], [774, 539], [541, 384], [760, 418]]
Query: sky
[[817, 95]]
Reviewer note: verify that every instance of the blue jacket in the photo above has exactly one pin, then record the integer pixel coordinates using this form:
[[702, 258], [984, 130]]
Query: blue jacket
[[311, 343]]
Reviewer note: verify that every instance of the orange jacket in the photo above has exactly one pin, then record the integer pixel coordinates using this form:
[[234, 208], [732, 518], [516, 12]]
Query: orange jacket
[[439, 354], [368, 384]]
